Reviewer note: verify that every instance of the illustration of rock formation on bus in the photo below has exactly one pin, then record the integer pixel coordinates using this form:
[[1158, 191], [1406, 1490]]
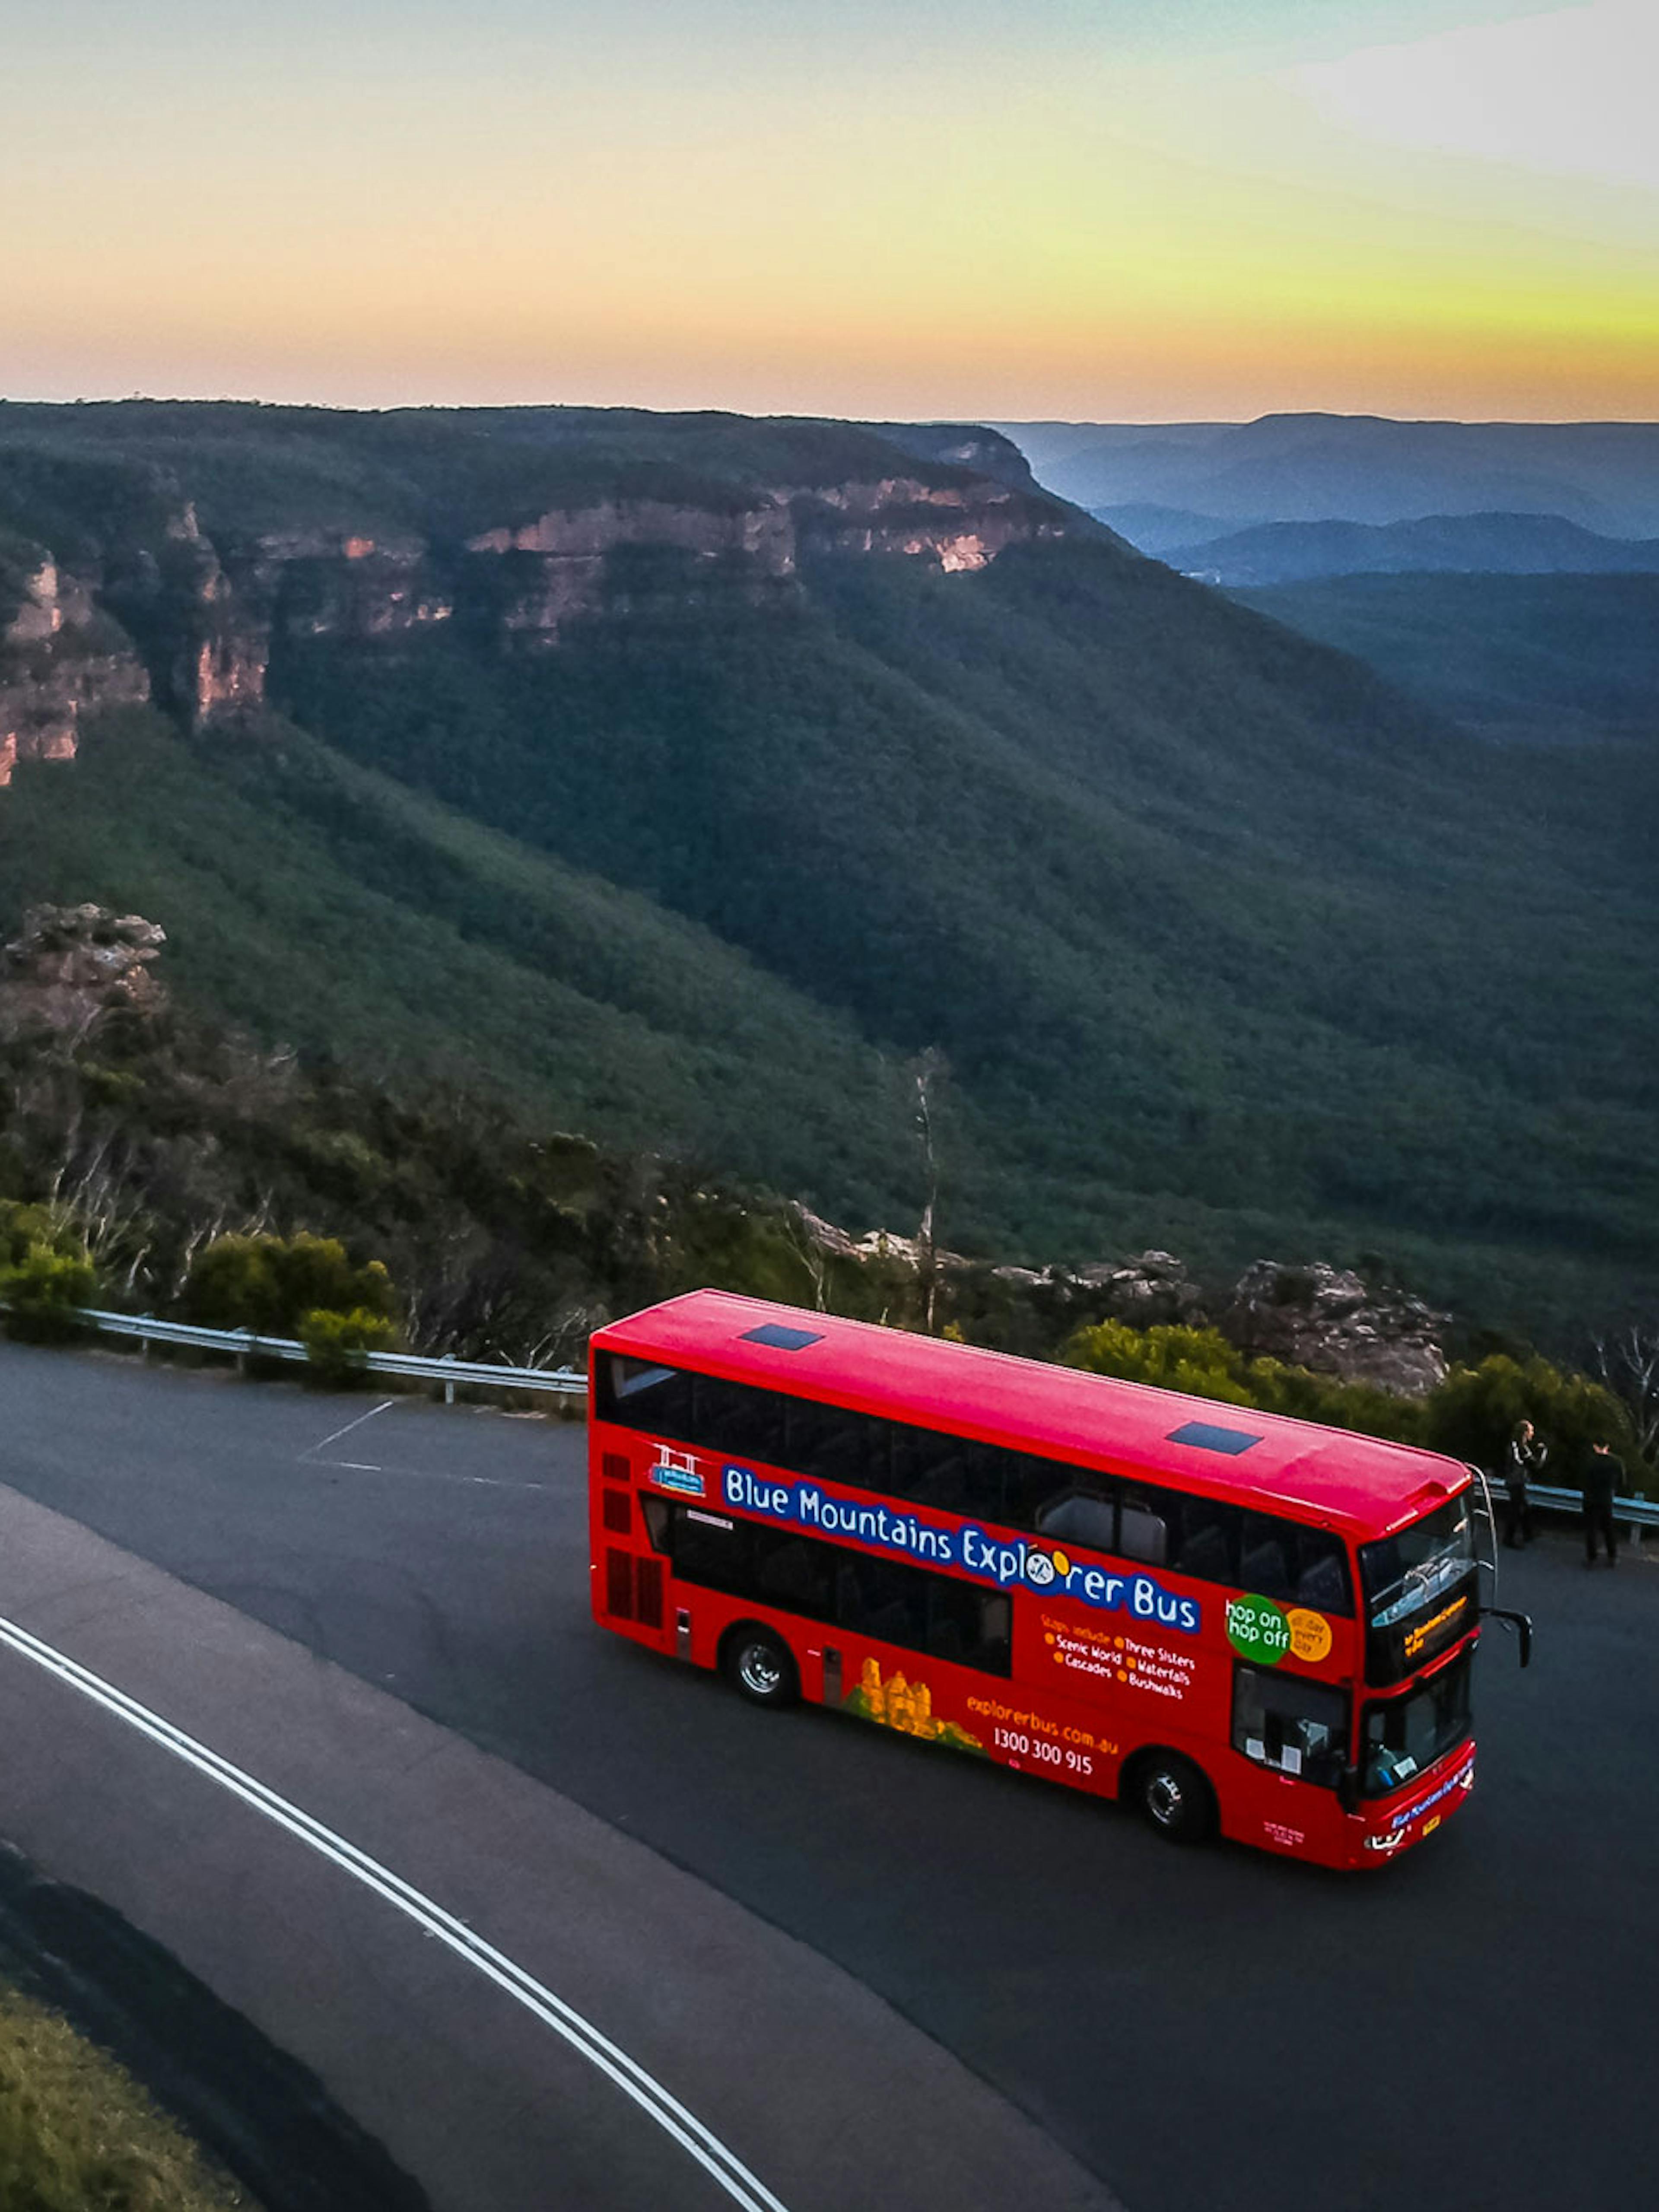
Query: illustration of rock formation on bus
[[907, 1706]]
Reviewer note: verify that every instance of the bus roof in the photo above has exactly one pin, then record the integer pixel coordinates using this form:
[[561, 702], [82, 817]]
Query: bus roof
[[1362, 1484]]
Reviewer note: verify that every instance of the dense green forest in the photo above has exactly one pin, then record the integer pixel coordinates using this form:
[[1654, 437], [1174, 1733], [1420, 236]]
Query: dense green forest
[[1227, 946], [1555, 659]]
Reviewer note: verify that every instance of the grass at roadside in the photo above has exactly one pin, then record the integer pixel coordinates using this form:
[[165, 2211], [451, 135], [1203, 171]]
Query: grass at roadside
[[78, 2135]]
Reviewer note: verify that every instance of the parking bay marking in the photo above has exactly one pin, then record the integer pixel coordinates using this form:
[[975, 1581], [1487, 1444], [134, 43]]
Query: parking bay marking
[[658, 2104]]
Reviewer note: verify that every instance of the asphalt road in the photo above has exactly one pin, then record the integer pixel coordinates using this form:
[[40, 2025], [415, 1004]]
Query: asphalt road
[[1221, 2030]]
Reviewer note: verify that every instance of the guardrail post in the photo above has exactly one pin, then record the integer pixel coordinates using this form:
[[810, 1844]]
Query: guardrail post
[[244, 1358], [449, 1383]]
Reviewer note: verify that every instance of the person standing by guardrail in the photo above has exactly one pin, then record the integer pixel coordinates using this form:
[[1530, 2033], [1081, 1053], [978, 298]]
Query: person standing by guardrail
[[1523, 1461], [1603, 1472]]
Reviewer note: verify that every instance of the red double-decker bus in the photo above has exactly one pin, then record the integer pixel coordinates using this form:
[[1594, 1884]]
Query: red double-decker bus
[[1228, 1619]]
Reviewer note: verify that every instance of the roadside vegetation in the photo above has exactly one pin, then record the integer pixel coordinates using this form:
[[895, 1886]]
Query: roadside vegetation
[[78, 2135], [1472, 1415]]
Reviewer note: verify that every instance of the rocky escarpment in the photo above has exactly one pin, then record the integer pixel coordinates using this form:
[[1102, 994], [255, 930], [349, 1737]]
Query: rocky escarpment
[[208, 610], [59, 655], [71, 965], [1328, 1318]]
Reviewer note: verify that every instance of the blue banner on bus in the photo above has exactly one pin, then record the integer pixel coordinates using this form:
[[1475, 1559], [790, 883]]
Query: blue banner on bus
[[1009, 1562]]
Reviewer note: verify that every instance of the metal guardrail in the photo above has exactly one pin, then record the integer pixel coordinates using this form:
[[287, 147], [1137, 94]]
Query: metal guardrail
[[247, 1344], [1638, 1513]]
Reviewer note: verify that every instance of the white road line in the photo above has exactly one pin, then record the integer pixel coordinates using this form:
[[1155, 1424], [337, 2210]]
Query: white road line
[[348, 1427], [423, 1474], [658, 2104]]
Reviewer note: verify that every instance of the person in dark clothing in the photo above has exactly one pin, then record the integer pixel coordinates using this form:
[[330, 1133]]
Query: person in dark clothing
[[1603, 1473], [1523, 1460]]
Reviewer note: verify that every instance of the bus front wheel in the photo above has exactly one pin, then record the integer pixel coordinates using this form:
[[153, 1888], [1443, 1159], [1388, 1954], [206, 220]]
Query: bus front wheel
[[1173, 1796], [759, 1666]]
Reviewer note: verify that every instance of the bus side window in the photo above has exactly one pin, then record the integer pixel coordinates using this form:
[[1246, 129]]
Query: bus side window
[[1083, 1516], [1143, 1531], [1264, 1565], [930, 1468], [984, 1468], [1029, 1486], [794, 1574], [1207, 1545], [733, 1419], [825, 1442], [1321, 1576], [637, 1394]]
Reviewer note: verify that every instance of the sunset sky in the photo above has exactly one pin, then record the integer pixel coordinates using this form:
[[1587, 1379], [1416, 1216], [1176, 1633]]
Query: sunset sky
[[1110, 209]]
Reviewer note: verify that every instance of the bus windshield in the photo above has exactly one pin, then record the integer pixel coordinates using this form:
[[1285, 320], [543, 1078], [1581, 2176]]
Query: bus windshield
[[1408, 1571], [1404, 1736]]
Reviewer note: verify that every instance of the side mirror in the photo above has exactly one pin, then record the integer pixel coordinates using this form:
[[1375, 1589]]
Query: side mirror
[[1520, 1622]]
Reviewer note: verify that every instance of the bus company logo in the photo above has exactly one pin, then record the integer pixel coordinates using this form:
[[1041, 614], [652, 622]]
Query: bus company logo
[[1009, 1562], [677, 1471]]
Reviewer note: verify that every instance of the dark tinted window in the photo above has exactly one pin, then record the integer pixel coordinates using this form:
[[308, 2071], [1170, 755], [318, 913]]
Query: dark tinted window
[[640, 1395], [881, 1599], [738, 1422], [830, 1444], [1204, 1539]]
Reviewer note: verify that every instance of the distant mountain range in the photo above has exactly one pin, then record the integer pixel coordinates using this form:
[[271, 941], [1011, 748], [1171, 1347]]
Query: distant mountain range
[[1470, 544], [1355, 468], [680, 778]]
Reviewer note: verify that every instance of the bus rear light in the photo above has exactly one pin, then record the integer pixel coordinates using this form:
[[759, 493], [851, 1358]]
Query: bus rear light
[[683, 1633]]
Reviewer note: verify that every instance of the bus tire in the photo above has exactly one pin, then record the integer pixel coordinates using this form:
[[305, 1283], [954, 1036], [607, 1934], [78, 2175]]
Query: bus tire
[[1172, 1796], [759, 1665]]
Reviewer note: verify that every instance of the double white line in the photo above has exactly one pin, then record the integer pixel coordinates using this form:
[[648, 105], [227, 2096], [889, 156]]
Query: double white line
[[658, 2103]]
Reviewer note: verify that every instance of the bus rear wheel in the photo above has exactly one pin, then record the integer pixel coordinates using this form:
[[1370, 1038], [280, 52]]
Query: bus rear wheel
[[759, 1666], [1173, 1796]]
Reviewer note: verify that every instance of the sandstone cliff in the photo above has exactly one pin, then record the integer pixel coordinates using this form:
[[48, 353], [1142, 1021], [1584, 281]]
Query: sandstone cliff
[[166, 608], [58, 654]]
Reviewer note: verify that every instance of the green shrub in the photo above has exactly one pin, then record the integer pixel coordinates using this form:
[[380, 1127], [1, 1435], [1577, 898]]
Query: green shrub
[[1202, 1362], [42, 1292], [336, 1342], [1476, 1410], [267, 1283]]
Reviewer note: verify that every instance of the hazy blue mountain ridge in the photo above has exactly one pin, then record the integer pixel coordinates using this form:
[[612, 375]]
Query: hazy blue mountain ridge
[[1317, 468], [1471, 544]]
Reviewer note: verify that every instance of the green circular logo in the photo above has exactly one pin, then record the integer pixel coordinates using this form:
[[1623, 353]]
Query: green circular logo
[[1257, 1629]]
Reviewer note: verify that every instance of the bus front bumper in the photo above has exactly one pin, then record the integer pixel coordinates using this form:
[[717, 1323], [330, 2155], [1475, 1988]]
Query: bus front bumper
[[1393, 1829]]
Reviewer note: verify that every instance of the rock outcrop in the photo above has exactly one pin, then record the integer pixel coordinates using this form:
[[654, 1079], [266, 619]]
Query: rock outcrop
[[71, 965], [1327, 1319], [58, 656]]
